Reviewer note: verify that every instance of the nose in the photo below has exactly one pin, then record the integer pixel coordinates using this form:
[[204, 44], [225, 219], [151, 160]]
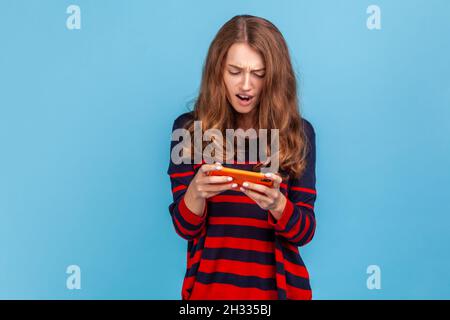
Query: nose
[[246, 82]]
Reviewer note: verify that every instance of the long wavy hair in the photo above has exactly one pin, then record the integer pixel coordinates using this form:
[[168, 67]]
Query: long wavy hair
[[278, 105]]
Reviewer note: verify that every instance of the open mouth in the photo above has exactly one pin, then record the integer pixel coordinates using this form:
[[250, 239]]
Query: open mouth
[[244, 97]]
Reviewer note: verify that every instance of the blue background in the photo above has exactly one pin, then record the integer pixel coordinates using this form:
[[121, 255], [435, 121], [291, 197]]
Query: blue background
[[85, 121]]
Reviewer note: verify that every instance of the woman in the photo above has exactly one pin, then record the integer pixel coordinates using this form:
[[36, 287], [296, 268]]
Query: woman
[[243, 243]]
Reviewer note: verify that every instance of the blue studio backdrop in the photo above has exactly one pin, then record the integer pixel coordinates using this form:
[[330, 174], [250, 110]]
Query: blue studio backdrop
[[86, 113]]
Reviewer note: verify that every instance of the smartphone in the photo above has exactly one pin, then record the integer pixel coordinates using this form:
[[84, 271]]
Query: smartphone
[[240, 176]]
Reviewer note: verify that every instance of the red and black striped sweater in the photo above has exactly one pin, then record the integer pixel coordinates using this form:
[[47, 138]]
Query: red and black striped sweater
[[237, 250]]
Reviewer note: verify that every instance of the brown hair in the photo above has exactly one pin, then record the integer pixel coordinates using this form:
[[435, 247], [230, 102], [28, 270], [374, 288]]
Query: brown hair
[[278, 106]]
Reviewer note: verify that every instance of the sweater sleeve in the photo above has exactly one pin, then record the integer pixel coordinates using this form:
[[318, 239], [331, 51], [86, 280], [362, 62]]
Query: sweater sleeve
[[297, 223], [187, 224]]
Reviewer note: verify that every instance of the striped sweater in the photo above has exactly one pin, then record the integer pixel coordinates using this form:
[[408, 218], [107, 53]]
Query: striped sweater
[[237, 250]]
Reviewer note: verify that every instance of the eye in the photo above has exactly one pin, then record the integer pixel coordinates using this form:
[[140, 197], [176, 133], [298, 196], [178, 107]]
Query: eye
[[234, 72], [260, 74]]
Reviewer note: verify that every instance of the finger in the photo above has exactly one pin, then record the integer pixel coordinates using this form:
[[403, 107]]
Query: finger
[[219, 187], [257, 187], [205, 168], [257, 197], [216, 179], [212, 194], [277, 180]]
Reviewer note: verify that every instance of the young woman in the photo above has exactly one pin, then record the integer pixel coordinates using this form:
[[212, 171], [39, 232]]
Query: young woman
[[243, 243]]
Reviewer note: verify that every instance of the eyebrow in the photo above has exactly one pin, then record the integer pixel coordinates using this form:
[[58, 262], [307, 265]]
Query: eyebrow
[[237, 67]]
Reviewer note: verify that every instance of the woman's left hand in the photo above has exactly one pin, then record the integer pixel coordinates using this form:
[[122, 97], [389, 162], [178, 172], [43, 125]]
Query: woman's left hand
[[267, 198]]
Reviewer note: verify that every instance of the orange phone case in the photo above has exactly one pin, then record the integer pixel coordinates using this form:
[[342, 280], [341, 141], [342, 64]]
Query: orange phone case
[[239, 176]]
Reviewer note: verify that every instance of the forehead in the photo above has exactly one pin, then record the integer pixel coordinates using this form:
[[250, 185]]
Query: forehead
[[244, 56]]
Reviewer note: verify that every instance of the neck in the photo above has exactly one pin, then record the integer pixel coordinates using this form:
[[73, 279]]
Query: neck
[[247, 120]]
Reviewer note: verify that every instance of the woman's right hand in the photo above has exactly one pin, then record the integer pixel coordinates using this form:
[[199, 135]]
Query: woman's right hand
[[203, 187]]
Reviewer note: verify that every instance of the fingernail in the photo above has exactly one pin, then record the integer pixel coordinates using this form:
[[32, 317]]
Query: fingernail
[[242, 189], [268, 174], [218, 167], [229, 178], [234, 185], [245, 184]]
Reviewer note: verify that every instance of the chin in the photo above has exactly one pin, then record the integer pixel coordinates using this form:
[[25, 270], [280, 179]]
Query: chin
[[240, 109]]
